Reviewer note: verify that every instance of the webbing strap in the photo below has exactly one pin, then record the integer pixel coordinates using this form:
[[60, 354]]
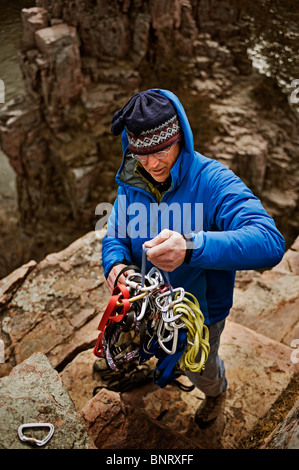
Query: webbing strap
[[143, 265], [123, 270], [164, 372], [119, 292], [165, 367], [143, 269]]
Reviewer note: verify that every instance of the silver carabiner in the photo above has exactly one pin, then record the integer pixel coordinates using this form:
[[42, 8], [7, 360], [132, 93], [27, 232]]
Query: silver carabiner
[[153, 283], [156, 274], [131, 283], [32, 440], [172, 336], [166, 306], [169, 317], [143, 307]]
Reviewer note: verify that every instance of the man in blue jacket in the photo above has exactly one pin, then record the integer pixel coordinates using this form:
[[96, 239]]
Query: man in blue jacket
[[198, 219]]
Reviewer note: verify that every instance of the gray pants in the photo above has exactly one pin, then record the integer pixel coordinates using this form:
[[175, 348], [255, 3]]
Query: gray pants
[[211, 381]]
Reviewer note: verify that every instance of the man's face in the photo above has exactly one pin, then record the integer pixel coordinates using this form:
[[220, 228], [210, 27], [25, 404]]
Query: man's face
[[160, 169]]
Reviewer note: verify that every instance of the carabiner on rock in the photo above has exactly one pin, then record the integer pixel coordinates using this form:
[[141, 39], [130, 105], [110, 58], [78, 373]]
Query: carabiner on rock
[[32, 440]]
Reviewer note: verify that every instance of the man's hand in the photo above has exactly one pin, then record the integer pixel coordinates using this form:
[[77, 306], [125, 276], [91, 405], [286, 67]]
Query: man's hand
[[167, 250], [113, 275]]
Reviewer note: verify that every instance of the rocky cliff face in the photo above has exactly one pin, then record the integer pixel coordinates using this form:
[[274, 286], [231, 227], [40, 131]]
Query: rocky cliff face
[[49, 314], [82, 60]]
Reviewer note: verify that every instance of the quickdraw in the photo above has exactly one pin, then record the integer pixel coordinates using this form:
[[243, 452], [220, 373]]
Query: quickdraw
[[148, 317]]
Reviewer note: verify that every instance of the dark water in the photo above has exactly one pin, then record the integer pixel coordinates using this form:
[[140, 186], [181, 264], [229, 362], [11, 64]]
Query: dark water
[[10, 35], [10, 73], [274, 43], [12, 251]]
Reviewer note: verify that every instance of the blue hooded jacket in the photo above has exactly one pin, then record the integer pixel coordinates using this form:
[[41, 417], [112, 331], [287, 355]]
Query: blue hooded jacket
[[229, 227]]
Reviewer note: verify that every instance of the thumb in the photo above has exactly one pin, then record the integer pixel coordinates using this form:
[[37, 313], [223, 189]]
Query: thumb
[[160, 238]]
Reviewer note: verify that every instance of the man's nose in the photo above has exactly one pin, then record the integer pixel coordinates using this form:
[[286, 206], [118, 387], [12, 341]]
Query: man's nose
[[152, 162]]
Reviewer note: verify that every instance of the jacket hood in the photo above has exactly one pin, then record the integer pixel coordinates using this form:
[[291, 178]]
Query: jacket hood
[[186, 128], [125, 175]]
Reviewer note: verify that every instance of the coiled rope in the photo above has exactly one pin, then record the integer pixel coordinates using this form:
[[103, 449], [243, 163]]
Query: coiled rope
[[197, 334]]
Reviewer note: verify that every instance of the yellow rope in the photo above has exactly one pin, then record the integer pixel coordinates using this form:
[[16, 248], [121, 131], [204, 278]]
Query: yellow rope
[[197, 334]]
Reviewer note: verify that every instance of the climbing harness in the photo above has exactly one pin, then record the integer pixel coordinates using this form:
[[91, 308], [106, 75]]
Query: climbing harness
[[124, 380], [131, 376], [148, 317]]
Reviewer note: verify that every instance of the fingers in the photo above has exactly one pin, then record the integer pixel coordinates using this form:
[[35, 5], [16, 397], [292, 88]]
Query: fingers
[[167, 250], [113, 275], [160, 238], [163, 236], [159, 249], [122, 278]]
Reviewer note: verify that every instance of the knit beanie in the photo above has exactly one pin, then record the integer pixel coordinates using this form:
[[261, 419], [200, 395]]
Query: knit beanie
[[150, 120]]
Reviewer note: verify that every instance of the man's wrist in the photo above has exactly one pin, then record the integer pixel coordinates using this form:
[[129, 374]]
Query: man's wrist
[[124, 261], [189, 247]]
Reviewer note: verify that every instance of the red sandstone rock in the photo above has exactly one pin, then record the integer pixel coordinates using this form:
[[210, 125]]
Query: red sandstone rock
[[60, 44], [114, 425], [33, 19]]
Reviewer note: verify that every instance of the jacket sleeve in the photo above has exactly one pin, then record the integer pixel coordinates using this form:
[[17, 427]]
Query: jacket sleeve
[[116, 245], [242, 235]]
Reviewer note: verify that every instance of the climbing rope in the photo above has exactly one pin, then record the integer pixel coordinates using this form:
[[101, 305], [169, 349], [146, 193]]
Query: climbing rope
[[197, 336]]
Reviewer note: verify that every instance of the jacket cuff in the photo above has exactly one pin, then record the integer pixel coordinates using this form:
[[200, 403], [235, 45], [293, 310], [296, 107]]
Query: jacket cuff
[[189, 247], [124, 261]]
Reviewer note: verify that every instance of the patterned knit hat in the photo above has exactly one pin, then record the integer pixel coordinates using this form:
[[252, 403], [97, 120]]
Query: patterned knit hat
[[150, 120]]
